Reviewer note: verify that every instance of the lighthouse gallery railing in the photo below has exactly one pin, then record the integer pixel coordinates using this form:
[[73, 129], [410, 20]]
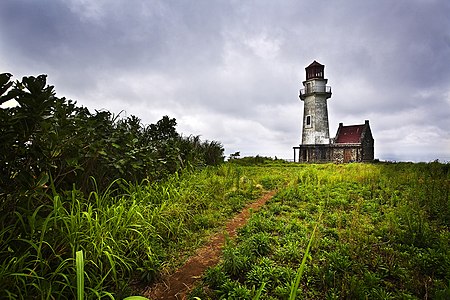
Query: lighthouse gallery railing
[[315, 89]]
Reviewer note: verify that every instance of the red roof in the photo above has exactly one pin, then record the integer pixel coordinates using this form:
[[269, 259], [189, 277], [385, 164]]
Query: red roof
[[350, 134]]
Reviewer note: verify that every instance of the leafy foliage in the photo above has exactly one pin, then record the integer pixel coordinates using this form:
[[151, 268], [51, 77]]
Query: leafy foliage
[[48, 138]]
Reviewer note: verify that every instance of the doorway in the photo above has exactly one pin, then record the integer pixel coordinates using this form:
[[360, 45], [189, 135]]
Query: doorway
[[347, 155]]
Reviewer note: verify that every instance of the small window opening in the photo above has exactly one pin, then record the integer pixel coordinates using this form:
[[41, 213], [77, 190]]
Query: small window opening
[[308, 120]]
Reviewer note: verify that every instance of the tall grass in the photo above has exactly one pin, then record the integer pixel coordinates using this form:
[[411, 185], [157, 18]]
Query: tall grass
[[384, 231], [129, 233]]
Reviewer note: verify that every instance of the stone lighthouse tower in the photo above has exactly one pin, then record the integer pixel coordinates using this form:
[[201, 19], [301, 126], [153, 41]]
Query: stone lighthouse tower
[[315, 116], [353, 143]]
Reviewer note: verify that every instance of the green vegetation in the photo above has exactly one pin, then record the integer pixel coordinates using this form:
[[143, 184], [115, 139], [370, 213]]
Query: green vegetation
[[129, 238], [72, 180], [92, 206], [382, 233], [46, 137]]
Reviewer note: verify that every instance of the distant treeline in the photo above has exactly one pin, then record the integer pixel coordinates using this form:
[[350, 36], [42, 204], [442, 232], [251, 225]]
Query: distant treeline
[[49, 142]]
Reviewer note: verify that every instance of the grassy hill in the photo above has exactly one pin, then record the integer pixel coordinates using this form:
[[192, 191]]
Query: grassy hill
[[382, 231]]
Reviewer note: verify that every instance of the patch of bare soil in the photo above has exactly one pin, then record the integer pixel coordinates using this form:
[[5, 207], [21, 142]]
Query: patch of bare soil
[[178, 284]]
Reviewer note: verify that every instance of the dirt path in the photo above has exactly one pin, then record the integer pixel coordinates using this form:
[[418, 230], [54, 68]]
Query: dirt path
[[178, 284]]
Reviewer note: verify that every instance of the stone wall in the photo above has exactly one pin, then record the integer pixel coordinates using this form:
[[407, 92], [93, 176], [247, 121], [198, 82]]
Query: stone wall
[[315, 153], [337, 153], [344, 153], [368, 147]]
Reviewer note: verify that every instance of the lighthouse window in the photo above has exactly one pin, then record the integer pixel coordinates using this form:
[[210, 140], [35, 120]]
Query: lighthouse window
[[308, 120]]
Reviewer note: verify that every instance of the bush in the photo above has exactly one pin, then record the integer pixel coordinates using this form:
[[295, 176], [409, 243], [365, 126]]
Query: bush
[[48, 141]]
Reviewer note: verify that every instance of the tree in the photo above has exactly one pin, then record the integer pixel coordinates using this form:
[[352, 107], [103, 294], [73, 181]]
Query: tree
[[164, 129], [235, 155]]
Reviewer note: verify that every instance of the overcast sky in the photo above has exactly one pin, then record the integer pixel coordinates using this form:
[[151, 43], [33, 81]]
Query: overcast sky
[[230, 71]]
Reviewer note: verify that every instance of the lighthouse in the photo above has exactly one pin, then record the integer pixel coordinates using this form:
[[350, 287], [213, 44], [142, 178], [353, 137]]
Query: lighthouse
[[314, 94], [353, 143]]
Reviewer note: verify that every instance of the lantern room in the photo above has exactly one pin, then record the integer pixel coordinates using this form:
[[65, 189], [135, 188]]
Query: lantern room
[[315, 71]]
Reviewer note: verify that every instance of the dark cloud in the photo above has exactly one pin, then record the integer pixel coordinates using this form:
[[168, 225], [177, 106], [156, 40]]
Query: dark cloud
[[231, 70]]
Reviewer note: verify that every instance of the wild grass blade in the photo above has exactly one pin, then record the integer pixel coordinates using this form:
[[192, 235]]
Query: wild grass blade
[[80, 274], [298, 277], [259, 292]]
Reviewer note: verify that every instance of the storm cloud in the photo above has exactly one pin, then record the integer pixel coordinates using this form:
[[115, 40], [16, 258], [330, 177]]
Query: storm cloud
[[231, 70]]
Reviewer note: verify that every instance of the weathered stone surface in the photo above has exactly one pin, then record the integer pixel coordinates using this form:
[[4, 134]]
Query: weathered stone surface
[[315, 114]]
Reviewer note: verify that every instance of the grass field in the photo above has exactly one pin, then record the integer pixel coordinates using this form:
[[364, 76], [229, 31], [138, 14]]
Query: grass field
[[129, 233], [382, 232]]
